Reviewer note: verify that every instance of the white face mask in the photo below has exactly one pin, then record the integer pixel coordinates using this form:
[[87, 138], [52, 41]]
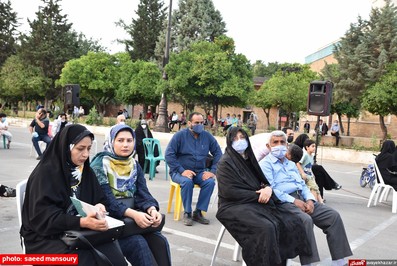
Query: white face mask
[[122, 123], [279, 151], [143, 126], [240, 145]]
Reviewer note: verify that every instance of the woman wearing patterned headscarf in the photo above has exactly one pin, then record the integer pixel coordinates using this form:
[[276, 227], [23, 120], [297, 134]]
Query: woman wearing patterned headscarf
[[121, 176], [47, 212]]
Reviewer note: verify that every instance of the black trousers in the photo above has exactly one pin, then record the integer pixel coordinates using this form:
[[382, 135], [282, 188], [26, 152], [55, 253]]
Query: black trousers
[[323, 179]]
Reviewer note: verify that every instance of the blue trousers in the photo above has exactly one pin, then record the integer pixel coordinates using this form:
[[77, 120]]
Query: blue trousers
[[187, 186], [36, 140]]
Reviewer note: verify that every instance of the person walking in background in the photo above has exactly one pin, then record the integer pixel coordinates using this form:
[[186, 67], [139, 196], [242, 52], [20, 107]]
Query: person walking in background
[[306, 127], [335, 132], [186, 156], [246, 200], [39, 130], [143, 131], [4, 129], [251, 123], [322, 128], [121, 177], [239, 121], [210, 119]]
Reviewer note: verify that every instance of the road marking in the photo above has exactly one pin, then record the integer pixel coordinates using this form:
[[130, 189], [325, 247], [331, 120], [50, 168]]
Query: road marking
[[196, 237], [366, 237]]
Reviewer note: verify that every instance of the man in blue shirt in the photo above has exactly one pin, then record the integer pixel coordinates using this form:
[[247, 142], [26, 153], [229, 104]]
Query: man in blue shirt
[[290, 188], [186, 156]]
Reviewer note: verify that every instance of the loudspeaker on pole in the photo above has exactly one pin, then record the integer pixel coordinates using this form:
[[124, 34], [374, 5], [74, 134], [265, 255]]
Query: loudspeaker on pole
[[320, 98]]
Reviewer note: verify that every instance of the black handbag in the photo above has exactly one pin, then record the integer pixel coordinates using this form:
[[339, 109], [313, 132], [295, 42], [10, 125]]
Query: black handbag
[[80, 238], [87, 239]]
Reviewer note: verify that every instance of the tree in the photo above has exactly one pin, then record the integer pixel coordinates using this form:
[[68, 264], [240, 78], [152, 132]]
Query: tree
[[8, 31], [139, 83], [20, 81], [195, 20], [380, 99], [262, 70], [210, 75], [342, 103], [97, 74], [145, 30], [50, 44], [287, 89]]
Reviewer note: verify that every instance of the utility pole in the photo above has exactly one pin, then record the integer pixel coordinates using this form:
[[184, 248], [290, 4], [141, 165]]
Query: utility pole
[[162, 118]]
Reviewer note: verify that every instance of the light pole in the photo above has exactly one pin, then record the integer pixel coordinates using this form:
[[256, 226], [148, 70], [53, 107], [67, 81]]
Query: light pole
[[162, 118]]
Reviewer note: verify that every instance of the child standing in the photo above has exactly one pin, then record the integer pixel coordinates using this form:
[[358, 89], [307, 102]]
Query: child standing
[[305, 168]]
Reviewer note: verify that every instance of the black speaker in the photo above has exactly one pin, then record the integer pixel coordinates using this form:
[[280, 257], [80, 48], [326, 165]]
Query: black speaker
[[320, 98], [72, 95]]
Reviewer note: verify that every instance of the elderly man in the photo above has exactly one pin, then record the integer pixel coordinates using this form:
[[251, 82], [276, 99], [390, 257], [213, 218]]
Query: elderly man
[[186, 155], [290, 188]]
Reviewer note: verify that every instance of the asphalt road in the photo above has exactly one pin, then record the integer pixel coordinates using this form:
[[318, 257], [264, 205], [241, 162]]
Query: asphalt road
[[371, 231]]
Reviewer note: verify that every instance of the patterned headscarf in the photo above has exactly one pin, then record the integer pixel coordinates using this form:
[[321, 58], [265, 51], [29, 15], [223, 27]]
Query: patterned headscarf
[[118, 171]]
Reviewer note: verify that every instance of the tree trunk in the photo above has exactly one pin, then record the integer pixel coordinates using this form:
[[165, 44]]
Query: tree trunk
[[341, 129], [267, 113], [383, 127], [348, 126]]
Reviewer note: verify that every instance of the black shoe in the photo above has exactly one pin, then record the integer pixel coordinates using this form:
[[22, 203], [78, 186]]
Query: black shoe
[[337, 187], [187, 219], [198, 217], [8, 192]]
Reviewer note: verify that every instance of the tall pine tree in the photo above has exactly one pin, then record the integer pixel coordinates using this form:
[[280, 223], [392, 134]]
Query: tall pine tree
[[8, 31], [50, 44], [144, 31], [195, 20]]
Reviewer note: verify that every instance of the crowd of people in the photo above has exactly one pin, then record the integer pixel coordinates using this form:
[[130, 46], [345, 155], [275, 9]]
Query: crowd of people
[[271, 178]]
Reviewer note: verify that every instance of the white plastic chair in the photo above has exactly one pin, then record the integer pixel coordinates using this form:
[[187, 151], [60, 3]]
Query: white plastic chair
[[236, 252], [20, 196], [381, 191]]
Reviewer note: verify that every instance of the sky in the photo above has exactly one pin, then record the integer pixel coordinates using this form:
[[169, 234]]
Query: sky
[[284, 31]]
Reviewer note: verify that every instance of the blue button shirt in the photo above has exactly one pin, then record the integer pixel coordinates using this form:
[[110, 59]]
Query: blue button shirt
[[185, 152], [284, 178]]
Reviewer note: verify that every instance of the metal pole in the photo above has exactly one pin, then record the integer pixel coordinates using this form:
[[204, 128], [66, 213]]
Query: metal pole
[[162, 118], [317, 139]]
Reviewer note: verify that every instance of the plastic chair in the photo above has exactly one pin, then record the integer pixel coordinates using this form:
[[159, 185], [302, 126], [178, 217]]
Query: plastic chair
[[377, 191], [20, 196], [178, 208], [151, 145], [236, 252]]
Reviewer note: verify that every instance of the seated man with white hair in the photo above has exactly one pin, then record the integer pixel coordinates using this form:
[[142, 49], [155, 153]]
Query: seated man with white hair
[[290, 188]]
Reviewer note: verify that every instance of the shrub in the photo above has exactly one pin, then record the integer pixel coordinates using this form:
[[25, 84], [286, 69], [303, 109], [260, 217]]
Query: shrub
[[93, 118]]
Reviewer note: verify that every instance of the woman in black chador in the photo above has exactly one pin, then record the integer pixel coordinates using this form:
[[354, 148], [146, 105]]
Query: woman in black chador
[[143, 131], [248, 208], [64, 172], [323, 179], [387, 164]]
